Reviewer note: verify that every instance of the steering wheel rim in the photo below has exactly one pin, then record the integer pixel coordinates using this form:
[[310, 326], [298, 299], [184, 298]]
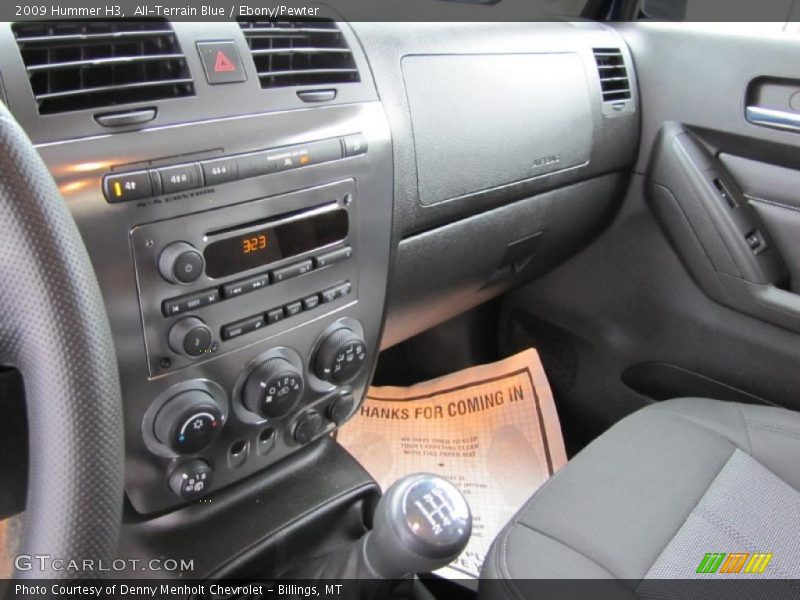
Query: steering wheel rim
[[54, 329]]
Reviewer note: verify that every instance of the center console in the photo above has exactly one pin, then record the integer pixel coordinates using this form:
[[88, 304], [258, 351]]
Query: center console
[[241, 240]]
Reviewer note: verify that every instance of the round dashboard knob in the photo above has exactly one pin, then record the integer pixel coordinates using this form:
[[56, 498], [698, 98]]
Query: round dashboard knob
[[180, 262], [190, 336], [341, 408], [341, 356], [308, 427], [192, 479], [273, 388], [188, 422]]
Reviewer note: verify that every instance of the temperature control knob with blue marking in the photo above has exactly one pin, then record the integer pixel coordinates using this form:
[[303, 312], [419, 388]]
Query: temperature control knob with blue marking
[[188, 422]]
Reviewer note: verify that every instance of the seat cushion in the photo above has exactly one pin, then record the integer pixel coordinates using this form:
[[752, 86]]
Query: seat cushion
[[612, 511]]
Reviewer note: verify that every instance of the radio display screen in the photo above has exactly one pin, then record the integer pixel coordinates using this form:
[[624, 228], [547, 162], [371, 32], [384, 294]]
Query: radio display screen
[[259, 247]]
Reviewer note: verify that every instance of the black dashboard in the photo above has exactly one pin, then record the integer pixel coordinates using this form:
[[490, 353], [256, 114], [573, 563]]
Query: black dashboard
[[269, 204]]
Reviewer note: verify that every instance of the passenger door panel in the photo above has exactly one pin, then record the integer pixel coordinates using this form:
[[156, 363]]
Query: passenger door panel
[[673, 300]]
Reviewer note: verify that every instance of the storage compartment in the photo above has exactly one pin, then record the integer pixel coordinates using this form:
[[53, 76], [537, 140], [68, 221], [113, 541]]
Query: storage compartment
[[447, 270], [483, 121]]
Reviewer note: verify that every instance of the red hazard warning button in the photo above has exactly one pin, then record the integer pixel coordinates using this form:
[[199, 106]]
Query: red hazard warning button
[[221, 62]]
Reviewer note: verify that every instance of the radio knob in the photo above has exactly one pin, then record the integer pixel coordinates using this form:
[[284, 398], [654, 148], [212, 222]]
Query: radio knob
[[191, 337], [180, 262], [341, 356], [273, 388], [188, 422]]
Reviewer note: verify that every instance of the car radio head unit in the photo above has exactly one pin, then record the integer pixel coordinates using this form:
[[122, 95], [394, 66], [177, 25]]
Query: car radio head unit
[[212, 282]]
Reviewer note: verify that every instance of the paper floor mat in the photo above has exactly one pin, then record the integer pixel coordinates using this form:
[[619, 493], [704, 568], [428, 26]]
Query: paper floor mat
[[492, 430]]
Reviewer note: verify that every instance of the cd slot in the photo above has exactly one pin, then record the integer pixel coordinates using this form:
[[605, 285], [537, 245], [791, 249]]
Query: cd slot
[[273, 220]]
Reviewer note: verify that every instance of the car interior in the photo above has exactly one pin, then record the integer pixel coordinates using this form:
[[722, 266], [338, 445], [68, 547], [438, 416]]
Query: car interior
[[217, 235]]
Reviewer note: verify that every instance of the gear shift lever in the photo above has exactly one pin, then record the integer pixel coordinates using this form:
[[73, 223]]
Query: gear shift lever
[[421, 523]]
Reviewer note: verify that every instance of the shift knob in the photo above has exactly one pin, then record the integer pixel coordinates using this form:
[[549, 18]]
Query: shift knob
[[421, 523]]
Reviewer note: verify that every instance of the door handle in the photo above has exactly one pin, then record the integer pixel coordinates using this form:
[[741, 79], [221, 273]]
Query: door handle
[[776, 119]]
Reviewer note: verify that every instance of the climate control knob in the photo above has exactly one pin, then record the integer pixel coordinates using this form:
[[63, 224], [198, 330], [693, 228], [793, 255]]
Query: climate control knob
[[191, 480], [188, 422], [273, 388], [191, 337], [342, 355], [180, 262]]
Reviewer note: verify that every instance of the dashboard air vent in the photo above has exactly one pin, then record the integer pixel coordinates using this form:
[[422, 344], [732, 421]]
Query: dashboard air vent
[[75, 65], [613, 74], [294, 53]]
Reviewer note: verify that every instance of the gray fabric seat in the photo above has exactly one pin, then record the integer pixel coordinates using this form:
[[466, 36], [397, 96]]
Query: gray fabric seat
[[619, 508]]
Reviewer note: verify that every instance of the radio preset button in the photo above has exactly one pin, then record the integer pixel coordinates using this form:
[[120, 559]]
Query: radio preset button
[[180, 178], [293, 308], [336, 292], [311, 302], [293, 270], [220, 170], [333, 257], [245, 286], [241, 327], [128, 186], [343, 289], [274, 315]]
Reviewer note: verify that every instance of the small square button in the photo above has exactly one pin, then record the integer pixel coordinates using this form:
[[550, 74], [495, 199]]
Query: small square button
[[274, 315], [221, 62], [293, 308]]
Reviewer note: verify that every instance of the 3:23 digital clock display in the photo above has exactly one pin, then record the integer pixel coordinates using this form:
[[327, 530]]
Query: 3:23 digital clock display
[[255, 243]]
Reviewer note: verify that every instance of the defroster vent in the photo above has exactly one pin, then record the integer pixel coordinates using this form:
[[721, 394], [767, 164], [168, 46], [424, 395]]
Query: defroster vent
[[295, 53], [613, 74], [76, 65]]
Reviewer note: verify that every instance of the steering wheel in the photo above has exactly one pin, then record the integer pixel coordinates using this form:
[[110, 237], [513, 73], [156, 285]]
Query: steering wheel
[[54, 329]]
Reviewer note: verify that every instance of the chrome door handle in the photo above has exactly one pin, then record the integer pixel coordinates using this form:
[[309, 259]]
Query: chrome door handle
[[776, 119]]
